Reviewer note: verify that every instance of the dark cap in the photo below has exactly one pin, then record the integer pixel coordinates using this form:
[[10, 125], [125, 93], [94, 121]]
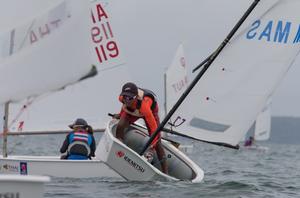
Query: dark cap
[[129, 89], [79, 123]]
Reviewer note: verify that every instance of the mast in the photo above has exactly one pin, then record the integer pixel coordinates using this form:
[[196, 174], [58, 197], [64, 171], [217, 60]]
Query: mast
[[201, 73], [165, 93], [6, 106], [5, 129]]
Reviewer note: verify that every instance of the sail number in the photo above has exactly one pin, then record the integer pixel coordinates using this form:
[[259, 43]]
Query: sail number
[[104, 50], [105, 45]]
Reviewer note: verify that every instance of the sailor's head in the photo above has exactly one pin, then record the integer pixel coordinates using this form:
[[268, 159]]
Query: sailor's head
[[79, 124], [251, 138], [129, 92]]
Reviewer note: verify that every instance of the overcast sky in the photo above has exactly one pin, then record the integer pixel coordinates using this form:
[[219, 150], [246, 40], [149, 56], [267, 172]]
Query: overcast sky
[[149, 33]]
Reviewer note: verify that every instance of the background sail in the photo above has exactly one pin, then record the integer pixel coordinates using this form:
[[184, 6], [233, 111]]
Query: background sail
[[176, 78], [55, 58], [263, 124], [227, 100], [91, 99]]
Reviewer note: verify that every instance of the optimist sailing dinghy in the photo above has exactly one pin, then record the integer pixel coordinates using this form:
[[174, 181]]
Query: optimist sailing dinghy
[[230, 91], [125, 160]]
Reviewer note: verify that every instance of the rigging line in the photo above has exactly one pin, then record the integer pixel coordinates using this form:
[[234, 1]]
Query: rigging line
[[201, 73], [21, 111], [202, 63], [27, 104], [189, 137], [112, 67]]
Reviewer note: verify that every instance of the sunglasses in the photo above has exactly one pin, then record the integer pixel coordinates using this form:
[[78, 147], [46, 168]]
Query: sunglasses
[[129, 98]]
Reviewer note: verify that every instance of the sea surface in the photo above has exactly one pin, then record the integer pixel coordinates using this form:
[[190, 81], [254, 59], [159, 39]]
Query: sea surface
[[273, 171]]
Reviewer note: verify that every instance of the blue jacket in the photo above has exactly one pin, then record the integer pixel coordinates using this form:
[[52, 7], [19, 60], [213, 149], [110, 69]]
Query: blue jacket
[[79, 145]]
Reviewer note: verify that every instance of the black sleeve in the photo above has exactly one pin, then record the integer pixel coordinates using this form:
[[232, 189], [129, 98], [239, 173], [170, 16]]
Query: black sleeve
[[65, 145], [93, 147]]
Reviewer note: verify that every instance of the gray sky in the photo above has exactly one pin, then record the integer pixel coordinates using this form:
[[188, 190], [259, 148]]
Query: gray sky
[[149, 33]]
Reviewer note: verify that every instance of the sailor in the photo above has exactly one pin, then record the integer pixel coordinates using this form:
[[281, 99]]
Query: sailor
[[80, 143], [140, 103], [249, 142]]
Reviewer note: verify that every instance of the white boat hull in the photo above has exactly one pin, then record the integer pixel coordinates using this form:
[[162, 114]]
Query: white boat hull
[[53, 166], [17, 186], [130, 165]]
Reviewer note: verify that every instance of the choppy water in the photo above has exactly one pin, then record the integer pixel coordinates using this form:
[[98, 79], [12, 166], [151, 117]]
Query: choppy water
[[228, 173]]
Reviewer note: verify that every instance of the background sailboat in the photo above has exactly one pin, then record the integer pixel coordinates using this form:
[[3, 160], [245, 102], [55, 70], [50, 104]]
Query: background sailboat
[[175, 83], [261, 129]]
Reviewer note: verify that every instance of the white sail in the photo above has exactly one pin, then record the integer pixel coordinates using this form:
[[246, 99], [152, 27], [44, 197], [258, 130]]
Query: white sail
[[230, 95], [19, 36], [176, 78], [52, 57], [262, 129], [176, 81], [93, 98]]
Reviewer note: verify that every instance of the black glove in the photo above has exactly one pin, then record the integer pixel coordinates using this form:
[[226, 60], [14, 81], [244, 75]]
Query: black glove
[[89, 129], [114, 116]]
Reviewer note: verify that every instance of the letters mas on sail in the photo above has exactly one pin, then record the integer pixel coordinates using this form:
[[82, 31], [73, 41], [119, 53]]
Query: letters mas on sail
[[226, 101]]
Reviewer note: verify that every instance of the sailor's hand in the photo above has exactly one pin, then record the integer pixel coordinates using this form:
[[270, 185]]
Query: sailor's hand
[[151, 147], [149, 155], [116, 116], [89, 129], [64, 155]]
